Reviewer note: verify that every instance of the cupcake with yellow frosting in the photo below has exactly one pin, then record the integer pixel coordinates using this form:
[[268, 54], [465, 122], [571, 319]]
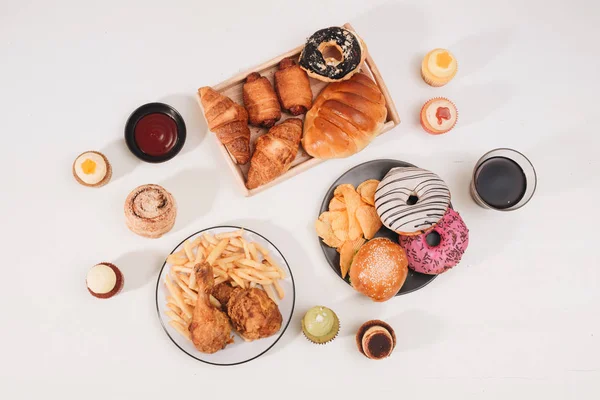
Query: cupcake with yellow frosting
[[320, 325], [439, 67], [92, 169]]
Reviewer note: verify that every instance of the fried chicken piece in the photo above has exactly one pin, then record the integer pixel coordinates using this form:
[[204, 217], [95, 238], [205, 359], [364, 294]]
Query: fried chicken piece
[[210, 327], [223, 292], [253, 314]]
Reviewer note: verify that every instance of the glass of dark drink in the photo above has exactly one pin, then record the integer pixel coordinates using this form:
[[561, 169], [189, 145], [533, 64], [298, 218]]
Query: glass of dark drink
[[503, 180]]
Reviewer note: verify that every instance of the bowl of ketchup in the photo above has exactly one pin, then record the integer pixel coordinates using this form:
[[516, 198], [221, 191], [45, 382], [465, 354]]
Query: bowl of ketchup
[[155, 132]]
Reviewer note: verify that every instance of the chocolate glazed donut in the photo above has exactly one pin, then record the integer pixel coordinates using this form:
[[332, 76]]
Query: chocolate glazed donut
[[351, 53]]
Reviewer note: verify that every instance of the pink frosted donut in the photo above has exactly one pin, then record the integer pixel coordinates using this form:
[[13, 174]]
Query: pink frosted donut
[[439, 249]]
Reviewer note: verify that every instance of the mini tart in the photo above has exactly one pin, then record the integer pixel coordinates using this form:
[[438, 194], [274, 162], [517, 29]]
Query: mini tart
[[376, 339], [320, 325], [438, 67], [92, 169], [438, 116], [104, 280]]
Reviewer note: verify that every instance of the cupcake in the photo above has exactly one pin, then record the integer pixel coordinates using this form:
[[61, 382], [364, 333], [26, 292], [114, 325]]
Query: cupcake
[[439, 67], [92, 169], [376, 339], [438, 116], [320, 325], [104, 280], [150, 211]]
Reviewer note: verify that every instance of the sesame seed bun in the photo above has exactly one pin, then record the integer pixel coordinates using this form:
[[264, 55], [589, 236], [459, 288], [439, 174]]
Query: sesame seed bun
[[379, 269]]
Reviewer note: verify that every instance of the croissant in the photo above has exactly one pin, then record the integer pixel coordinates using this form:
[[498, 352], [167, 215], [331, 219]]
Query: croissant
[[293, 87], [229, 121], [261, 101], [344, 118], [274, 152]]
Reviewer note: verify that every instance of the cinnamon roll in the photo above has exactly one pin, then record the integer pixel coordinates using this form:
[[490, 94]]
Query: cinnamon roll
[[150, 211]]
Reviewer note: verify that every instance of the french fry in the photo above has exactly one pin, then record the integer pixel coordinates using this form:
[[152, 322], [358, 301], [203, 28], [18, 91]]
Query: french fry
[[256, 273], [237, 242], [193, 295], [231, 248], [176, 293], [237, 279], [179, 253], [246, 249], [181, 268], [243, 274], [229, 259], [221, 279], [210, 239], [196, 242], [270, 292], [184, 279], [220, 272], [234, 284], [181, 329], [200, 254], [176, 260], [174, 307], [214, 301], [270, 274], [253, 285], [279, 290], [216, 252], [189, 302], [269, 259], [175, 317], [253, 252], [250, 263], [170, 299], [192, 282], [205, 243], [232, 234], [187, 247]]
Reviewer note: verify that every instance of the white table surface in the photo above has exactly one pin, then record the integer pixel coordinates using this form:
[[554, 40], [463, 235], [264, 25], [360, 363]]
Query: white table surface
[[518, 316]]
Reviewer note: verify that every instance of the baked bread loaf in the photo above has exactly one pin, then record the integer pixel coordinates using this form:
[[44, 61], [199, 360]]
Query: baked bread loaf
[[274, 152], [229, 121], [379, 269], [345, 117]]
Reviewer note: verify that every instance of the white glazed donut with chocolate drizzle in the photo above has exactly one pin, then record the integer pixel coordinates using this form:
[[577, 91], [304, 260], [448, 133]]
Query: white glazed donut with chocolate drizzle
[[333, 54], [411, 201]]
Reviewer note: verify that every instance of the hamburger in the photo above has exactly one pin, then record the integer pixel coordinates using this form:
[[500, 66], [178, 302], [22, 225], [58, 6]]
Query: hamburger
[[379, 269]]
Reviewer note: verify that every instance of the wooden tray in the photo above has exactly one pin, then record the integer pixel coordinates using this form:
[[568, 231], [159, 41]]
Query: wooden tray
[[232, 88]]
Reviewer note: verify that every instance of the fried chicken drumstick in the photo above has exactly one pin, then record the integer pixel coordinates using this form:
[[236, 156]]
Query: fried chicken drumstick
[[210, 328]]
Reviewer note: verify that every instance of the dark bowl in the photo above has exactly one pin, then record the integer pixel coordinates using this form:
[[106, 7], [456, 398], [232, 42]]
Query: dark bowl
[[375, 169], [154, 108]]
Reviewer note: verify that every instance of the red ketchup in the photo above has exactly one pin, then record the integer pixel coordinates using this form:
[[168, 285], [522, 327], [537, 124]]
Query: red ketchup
[[156, 134], [442, 113]]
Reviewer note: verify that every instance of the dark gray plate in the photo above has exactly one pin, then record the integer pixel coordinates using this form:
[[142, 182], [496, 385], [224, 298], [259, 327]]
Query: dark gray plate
[[375, 169]]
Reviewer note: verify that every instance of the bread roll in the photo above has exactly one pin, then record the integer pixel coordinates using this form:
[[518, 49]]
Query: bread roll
[[344, 118], [379, 269]]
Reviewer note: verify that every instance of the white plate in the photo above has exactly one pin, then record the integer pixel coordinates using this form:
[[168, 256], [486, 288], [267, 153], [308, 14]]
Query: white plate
[[240, 351]]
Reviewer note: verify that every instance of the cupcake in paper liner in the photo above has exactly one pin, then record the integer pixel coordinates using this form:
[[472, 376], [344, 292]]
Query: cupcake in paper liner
[[320, 325], [92, 169], [438, 67], [438, 115]]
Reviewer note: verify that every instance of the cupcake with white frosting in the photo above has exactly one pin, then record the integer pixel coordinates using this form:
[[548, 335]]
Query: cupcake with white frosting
[[104, 280]]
